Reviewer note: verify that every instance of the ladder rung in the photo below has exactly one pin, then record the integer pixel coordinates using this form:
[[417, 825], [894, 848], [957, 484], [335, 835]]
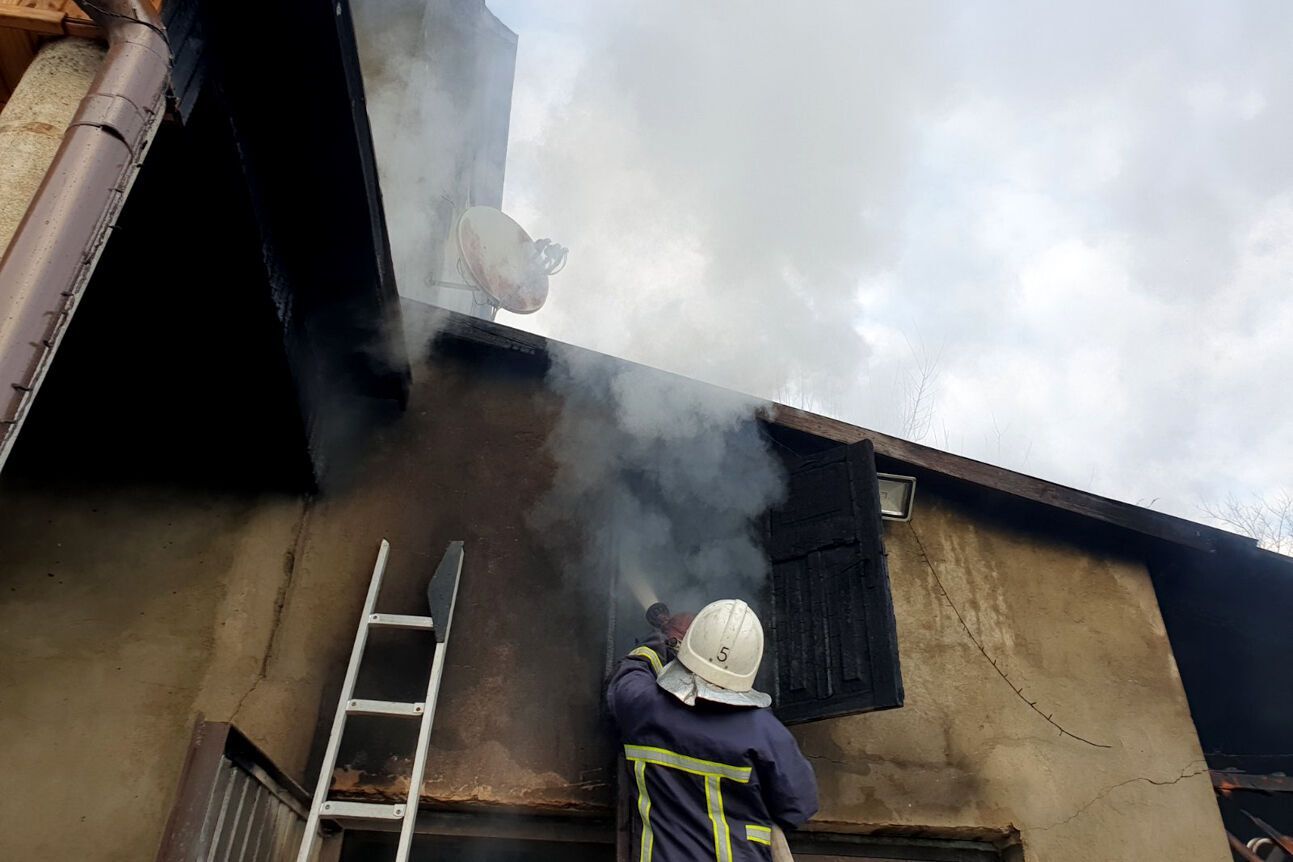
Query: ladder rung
[[385, 707], [334, 810], [401, 621]]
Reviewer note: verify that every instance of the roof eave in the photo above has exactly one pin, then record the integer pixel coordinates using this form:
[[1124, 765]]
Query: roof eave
[[1138, 519]]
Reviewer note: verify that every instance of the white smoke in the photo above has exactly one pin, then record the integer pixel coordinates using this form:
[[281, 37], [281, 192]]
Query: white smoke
[[724, 179], [658, 478], [1082, 210], [437, 79], [401, 96]]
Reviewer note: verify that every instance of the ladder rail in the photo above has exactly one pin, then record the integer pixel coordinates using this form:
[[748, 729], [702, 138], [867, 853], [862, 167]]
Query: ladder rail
[[339, 719], [432, 697], [420, 758]]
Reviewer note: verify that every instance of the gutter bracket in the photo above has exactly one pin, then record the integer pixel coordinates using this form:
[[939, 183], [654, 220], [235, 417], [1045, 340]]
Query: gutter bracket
[[53, 252], [116, 115]]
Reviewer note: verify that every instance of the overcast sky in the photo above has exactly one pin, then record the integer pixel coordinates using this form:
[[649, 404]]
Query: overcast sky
[[1079, 215]]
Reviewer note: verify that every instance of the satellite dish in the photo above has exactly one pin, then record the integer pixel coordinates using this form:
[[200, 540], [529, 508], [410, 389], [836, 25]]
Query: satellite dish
[[499, 258]]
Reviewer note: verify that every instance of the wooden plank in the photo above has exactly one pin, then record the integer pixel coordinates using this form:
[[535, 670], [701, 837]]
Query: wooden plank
[[67, 8], [187, 36], [81, 28], [22, 28], [16, 50], [47, 22], [1241, 849], [1227, 780], [63, 6], [71, 10], [49, 18]]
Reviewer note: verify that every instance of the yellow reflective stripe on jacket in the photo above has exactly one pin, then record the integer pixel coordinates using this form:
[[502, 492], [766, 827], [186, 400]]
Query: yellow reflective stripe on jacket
[[644, 811], [711, 771], [714, 805], [650, 655], [694, 765], [758, 834]]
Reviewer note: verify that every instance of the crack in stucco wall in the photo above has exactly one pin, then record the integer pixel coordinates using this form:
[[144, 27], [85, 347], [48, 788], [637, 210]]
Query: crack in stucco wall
[[1185, 773], [291, 559]]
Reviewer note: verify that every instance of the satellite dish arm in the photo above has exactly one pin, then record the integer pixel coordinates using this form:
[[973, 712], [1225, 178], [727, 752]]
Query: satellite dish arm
[[552, 257]]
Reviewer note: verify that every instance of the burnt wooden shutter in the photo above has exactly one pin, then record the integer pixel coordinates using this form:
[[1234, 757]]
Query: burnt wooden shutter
[[833, 637]]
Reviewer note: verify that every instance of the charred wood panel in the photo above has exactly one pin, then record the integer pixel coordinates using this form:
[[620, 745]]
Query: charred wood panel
[[291, 90], [834, 640], [185, 34]]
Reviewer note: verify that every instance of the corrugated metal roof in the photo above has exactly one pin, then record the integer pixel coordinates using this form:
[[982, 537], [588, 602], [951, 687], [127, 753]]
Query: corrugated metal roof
[[233, 805], [249, 819]]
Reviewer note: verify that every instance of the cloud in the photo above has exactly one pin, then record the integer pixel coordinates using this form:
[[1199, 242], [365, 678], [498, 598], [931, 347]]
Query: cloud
[[1084, 212]]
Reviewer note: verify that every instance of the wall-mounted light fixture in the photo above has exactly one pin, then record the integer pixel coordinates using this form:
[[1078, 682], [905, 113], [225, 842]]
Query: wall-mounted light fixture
[[897, 493]]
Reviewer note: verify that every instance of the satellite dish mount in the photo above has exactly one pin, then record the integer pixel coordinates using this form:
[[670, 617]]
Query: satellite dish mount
[[498, 260]]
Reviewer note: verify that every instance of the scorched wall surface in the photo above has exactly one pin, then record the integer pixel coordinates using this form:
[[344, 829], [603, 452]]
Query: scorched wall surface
[[128, 611], [1076, 624]]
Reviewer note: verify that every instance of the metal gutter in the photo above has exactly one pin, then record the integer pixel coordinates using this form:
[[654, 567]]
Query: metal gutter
[[53, 253]]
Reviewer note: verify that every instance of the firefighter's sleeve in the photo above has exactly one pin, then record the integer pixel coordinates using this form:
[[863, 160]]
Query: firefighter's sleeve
[[787, 779], [633, 681]]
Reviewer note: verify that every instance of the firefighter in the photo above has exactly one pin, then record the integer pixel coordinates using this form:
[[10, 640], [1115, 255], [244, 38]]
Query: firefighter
[[713, 770]]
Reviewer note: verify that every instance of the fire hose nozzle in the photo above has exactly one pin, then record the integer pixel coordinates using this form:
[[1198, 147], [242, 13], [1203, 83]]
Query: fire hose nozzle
[[672, 626], [658, 615]]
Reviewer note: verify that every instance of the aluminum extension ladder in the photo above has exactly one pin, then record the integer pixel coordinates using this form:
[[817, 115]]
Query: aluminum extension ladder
[[441, 595]]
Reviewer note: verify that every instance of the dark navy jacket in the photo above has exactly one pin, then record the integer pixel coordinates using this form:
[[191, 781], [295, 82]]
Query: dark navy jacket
[[710, 779]]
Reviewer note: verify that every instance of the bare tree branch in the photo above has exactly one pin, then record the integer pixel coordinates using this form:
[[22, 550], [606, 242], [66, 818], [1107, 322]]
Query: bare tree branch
[[920, 393], [1269, 520]]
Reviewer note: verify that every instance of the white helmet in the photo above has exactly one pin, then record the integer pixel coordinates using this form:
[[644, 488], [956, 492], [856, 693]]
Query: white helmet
[[724, 645]]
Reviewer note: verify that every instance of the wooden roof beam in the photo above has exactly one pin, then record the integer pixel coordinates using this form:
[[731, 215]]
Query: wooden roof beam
[[47, 22]]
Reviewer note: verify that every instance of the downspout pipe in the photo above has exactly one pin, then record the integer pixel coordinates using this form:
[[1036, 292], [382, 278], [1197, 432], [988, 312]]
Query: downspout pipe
[[54, 251]]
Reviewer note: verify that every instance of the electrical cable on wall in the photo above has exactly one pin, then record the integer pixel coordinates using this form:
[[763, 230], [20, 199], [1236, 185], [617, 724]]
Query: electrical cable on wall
[[1018, 690]]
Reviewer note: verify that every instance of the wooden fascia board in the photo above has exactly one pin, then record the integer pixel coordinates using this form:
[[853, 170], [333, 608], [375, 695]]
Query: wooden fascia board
[[1126, 515], [47, 22], [63, 18]]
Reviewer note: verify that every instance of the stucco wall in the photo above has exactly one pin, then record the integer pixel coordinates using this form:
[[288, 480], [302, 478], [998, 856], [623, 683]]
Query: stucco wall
[[118, 608], [34, 120], [125, 613], [1080, 631]]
